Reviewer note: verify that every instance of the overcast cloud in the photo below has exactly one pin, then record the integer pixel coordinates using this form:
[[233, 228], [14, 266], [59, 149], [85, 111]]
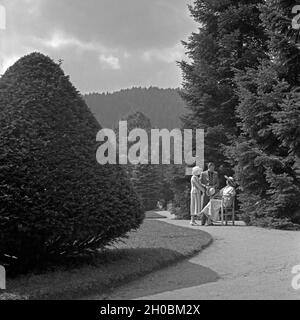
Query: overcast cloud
[[106, 45]]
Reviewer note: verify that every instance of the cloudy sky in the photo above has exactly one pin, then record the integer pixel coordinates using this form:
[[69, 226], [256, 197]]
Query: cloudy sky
[[106, 45]]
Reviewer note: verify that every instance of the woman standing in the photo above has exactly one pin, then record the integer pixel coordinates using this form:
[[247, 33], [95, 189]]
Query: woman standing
[[196, 189]]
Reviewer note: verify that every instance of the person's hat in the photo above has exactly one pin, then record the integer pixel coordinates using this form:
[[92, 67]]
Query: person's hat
[[210, 191], [196, 171], [230, 180]]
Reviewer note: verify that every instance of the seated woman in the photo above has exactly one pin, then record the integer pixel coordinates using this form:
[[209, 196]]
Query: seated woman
[[225, 197]]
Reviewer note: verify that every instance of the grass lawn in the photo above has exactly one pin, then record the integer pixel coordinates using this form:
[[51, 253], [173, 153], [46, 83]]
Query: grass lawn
[[155, 245], [154, 215]]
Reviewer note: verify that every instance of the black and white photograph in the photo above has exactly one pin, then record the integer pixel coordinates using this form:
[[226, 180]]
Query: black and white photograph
[[150, 152]]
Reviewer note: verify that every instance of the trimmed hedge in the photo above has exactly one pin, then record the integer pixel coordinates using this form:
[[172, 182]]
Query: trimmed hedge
[[55, 199]]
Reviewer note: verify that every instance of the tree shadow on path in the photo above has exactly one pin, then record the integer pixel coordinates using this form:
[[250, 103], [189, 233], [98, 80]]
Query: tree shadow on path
[[182, 275]]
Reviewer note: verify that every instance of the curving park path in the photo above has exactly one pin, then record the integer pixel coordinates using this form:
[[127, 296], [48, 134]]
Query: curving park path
[[242, 263]]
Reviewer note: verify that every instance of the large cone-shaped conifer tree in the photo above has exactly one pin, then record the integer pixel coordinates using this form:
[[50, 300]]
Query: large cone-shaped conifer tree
[[54, 196]]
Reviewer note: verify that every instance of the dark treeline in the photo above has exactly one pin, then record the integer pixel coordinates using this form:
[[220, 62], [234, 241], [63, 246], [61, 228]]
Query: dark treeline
[[163, 107]]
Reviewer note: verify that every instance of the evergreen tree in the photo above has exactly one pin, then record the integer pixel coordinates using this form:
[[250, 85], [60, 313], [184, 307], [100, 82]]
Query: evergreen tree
[[287, 127], [267, 150], [230, 37], [146, 179], [147, 184], [55, 199]]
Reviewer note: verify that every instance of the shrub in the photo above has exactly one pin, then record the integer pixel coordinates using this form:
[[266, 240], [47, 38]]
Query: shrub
[[181, 203], [55, 199], [180, 185]]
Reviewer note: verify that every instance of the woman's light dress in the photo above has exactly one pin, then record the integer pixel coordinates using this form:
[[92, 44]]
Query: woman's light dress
[[196, 190], [226, 196]]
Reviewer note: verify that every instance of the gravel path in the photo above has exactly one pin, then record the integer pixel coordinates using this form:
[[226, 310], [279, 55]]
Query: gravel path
[[242, 263]]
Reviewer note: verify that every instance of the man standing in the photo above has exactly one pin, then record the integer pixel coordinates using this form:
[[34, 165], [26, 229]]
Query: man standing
[[210, 180]]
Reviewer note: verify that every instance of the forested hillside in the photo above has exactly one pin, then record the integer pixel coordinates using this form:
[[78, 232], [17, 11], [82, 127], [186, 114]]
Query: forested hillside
[[163, 107]]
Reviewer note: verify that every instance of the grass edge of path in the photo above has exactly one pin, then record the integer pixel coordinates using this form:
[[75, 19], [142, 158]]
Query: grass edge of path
[[90, 280]]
